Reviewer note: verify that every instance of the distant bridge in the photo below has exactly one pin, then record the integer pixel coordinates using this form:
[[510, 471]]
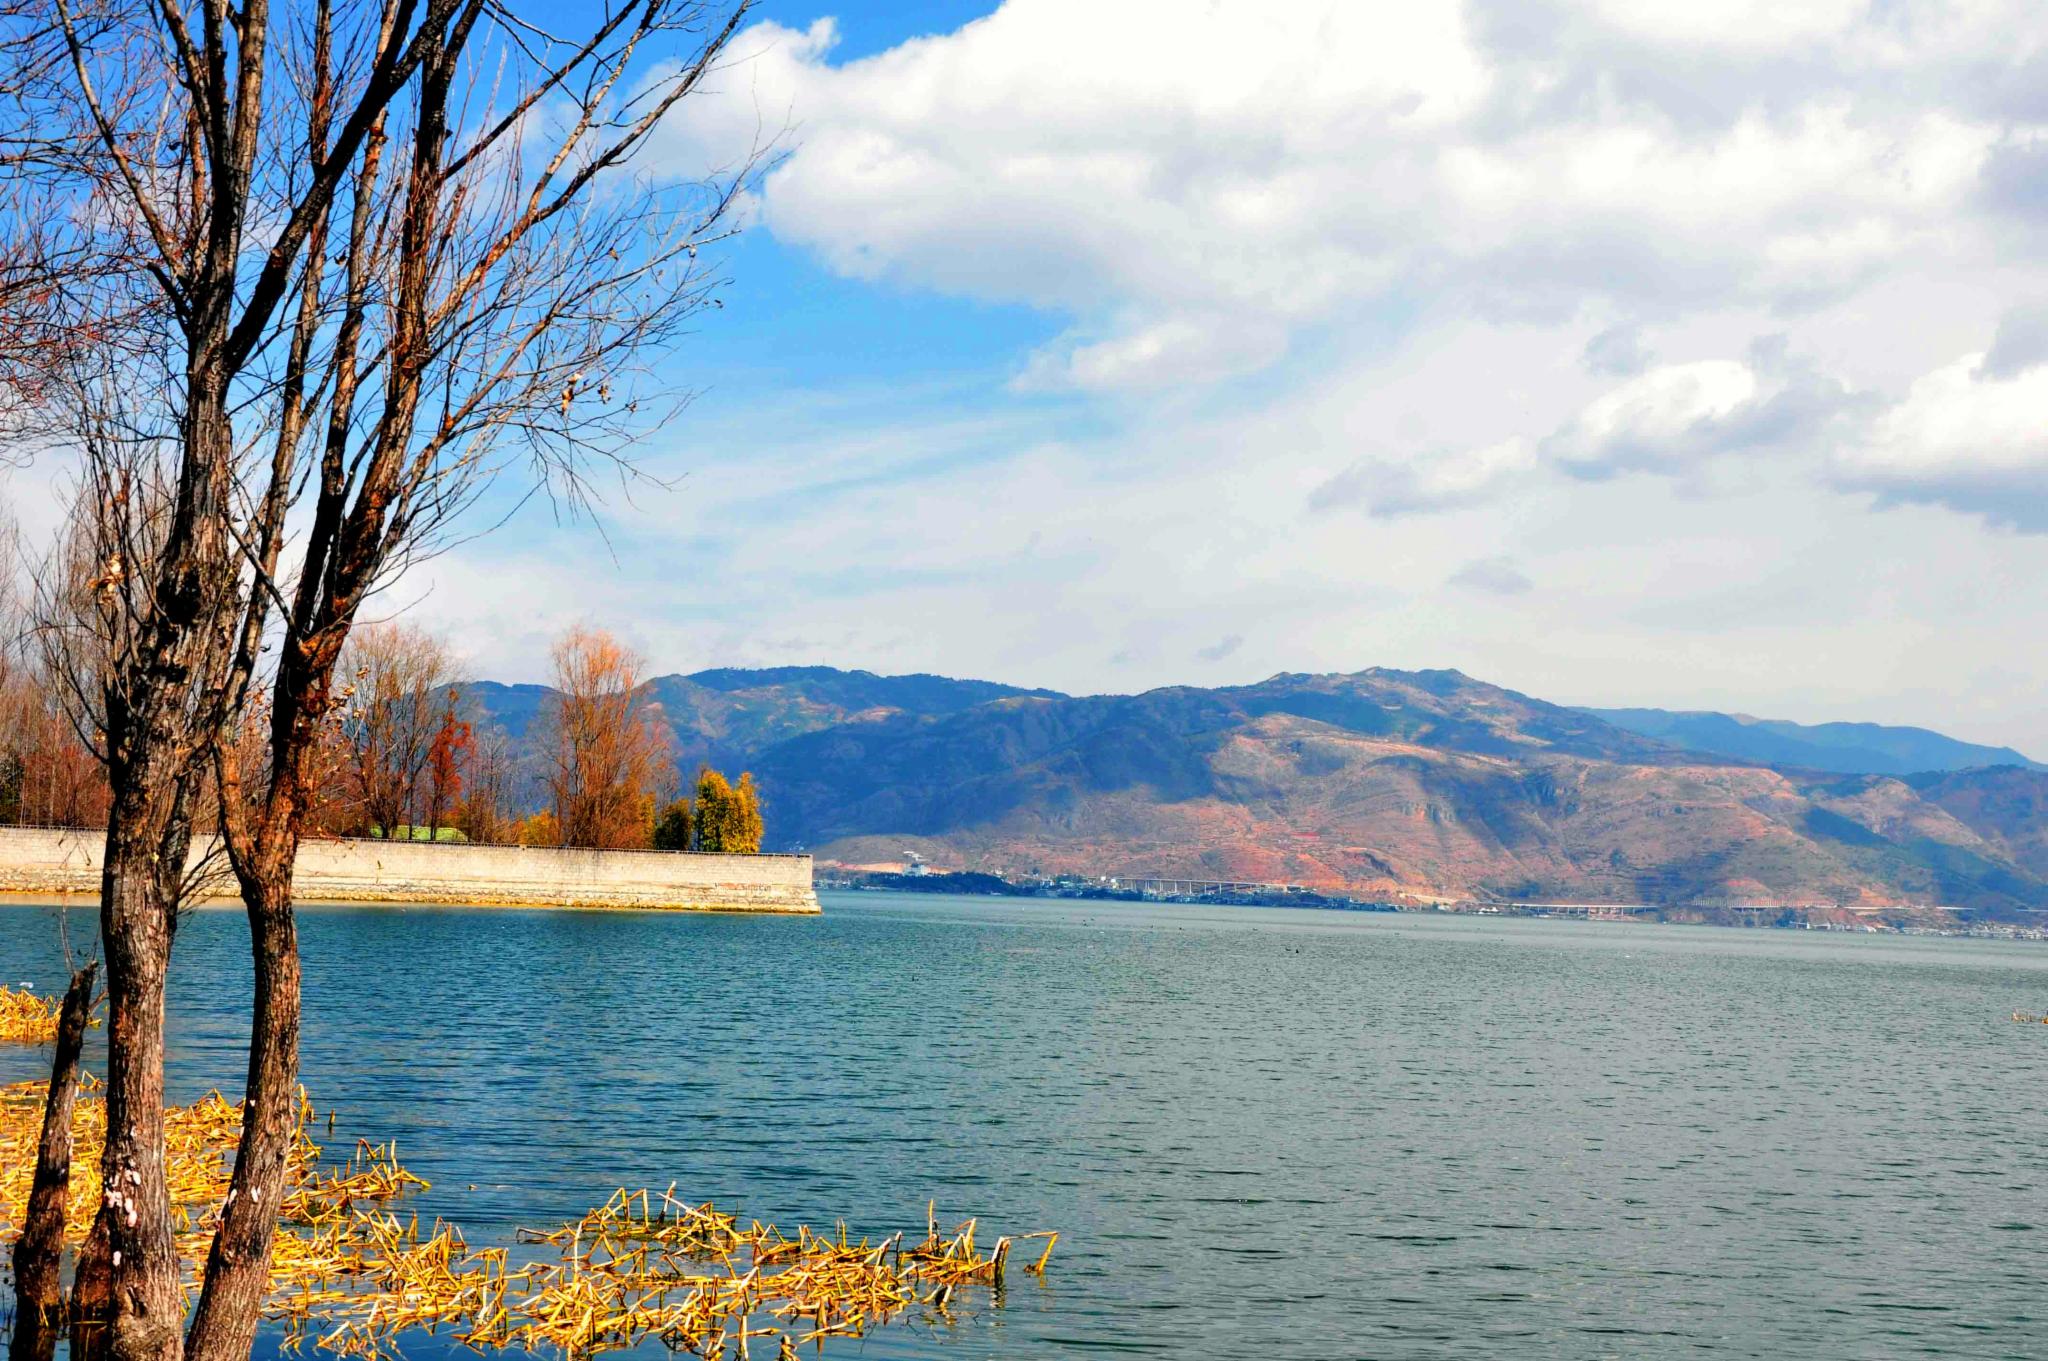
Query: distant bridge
[[1196, 888]]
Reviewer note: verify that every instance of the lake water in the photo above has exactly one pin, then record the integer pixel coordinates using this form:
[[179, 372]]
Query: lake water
[[1261, 1132]]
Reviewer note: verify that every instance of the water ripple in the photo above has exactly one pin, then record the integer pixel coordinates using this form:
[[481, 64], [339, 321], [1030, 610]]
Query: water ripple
[[1283, 1134]]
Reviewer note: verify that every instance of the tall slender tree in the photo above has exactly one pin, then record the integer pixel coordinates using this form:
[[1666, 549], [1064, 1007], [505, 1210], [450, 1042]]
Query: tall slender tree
[[487, 779], [604, 752], [744, 827], [343, 264], [445, 762]]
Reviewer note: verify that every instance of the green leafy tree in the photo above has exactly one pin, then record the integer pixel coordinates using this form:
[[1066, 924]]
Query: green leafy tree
[[13, 774], [672, 831]]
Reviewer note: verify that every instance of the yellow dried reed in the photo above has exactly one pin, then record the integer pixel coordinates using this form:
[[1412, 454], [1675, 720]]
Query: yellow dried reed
[[352, 1279]]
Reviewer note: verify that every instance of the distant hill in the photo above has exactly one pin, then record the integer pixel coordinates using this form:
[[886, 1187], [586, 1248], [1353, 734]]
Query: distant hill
[[511, 707], [855, 690], [1384, 782], [1849, 748], [2006, 805], [1381, 784], [724, 716]]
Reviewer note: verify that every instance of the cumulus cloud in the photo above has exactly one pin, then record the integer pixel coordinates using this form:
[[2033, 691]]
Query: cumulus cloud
[[1194, 194], [1194, 197], [1668, 415], [1680, 416], [1673, 420], [2015, 180], [1498, 268], [1970, 436]]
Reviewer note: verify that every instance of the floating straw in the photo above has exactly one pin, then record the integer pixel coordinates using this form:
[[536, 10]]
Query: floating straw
[[350, 1278], [28, 1019]]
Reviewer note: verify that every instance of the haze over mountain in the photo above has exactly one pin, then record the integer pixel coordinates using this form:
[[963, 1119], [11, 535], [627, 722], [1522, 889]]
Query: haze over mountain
[[1424, 784], [1849, 748]]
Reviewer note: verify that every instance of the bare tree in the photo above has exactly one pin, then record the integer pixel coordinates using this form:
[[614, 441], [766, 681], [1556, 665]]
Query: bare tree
[[56, 283], [604, 752], [15, 713], [50, 770], [48, 778], [130, 653], [361, 258], [39, 1251], [16, 698], [488, 774], [397, 676]]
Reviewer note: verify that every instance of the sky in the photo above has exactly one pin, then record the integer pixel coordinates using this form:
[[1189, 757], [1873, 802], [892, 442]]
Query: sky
[[1617, 351]]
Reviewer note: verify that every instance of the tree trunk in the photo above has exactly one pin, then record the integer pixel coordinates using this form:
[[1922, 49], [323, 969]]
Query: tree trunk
[[39, 1252], [238, 1269], [126, 1301]]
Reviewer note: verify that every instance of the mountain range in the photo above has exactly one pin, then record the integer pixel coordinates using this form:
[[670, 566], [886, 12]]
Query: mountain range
[[1422, 785], [1847, 748]]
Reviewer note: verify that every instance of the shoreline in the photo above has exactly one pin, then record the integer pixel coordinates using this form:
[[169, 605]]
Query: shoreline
[[227, 902], [42, 862], [1804, 920]]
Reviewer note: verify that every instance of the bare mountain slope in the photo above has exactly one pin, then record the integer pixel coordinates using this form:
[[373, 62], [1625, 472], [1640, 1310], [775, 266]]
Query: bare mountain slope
[[1424, 783], [1427, 783]]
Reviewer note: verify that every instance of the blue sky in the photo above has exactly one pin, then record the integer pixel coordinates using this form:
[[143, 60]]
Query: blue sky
[[1617, 351], [795, 323]]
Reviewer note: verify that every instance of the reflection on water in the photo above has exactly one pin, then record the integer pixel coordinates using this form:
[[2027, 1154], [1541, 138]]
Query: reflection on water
[[1260, 1132]]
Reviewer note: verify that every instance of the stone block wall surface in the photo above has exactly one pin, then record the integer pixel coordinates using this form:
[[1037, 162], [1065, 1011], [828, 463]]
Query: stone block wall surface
[[36, 860]]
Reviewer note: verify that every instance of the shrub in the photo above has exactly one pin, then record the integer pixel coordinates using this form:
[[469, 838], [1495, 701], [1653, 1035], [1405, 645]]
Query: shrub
[[672, 830]]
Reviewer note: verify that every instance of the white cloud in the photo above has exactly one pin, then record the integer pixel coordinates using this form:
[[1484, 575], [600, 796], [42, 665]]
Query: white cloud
[[1669, 415], [1501, 269], [1967, 436], [1675, 419], [1192, 188], [1113, 563], [1177, 351]]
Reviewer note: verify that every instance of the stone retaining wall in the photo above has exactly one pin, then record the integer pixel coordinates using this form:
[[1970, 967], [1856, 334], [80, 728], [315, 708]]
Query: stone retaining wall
[[56, 861]]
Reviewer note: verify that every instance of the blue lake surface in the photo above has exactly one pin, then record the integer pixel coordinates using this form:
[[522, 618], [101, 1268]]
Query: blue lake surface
[[1260, 1132]]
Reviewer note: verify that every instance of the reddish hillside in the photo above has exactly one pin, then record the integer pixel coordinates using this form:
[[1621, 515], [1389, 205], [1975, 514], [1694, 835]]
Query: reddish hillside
[[1424, 784]]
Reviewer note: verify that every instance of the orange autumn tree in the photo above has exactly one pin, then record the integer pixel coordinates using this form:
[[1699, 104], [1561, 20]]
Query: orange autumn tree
[[602, 749], [48, 774], [444, 765]]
